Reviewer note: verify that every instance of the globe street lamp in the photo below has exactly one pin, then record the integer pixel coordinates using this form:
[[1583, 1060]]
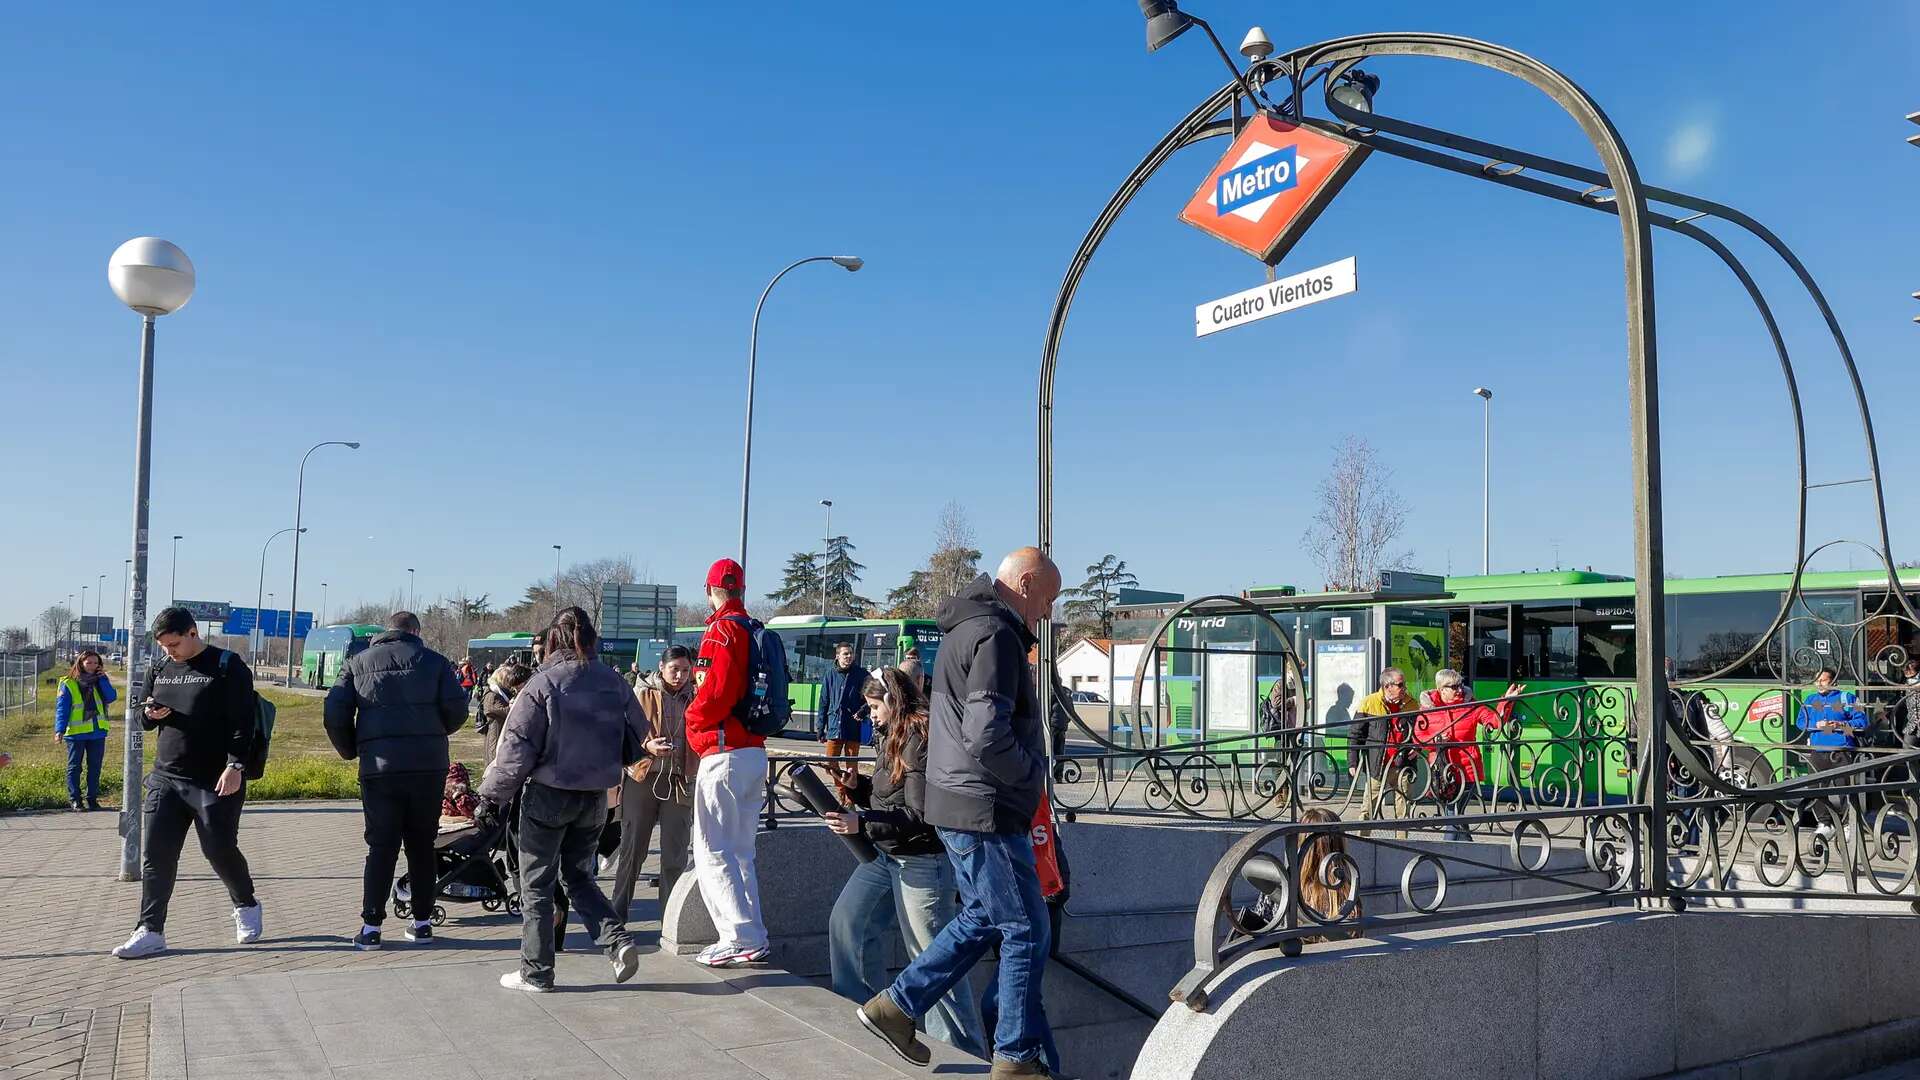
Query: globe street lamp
[[299, 497], [154, 278], [849, 263]]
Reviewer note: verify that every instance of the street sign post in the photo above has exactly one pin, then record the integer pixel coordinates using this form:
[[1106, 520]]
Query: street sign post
[[1272, 183], [1283, 294]]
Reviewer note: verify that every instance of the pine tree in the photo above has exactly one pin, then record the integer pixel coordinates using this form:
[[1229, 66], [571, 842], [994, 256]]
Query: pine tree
[[842, 573], [799, 590], [1090, 606]]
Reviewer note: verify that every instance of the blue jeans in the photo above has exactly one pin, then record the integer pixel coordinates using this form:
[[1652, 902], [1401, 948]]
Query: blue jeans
[[915, 892], [92, 752], [999, 901]]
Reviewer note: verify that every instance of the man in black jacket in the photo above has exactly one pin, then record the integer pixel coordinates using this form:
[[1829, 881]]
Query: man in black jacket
[[200, 701], [393, 708], [986, 774]]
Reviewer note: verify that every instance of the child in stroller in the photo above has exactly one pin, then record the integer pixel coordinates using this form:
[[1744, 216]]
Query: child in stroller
[[473, 864]]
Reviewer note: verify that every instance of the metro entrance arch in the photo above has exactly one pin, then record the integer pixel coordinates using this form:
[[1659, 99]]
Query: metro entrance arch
[[1616, 188]]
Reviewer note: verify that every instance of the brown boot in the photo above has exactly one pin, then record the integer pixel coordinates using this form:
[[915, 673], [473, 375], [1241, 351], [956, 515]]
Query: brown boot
[[882, 1017], [1011, 1070]]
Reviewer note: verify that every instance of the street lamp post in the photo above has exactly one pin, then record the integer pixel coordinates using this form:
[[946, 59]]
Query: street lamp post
[[556, 581], [299, 499], [259, 608], [850, 263], [154, 278], [99, 598], [410, 596], [323, 603], [173, 578], [1486, 481], [826, 552]]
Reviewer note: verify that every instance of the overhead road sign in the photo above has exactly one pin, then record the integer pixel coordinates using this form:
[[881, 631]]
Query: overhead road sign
[[1272, 183], [1277, 296]]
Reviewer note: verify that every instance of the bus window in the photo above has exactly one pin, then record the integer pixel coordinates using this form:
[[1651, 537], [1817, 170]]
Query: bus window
[[1818, 636], [1492, 646], [810, 652], [1547, 642], [876, 650], [1708, 631], [1605, 646], [1457, 636], [1890, 639]]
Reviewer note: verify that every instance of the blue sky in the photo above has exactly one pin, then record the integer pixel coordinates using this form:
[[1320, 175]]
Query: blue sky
[[515, 255]]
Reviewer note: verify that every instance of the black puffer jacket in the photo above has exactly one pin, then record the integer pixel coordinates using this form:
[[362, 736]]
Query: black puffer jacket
[[895, 814], [394, 706], [986, 748]]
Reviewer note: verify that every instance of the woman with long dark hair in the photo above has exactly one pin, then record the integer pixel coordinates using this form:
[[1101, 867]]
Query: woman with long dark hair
[[80, 722], [569, 732], [659, 788], [911, 884]]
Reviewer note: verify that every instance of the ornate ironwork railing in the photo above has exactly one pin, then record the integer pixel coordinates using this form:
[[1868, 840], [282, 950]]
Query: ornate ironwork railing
[[1841, 837]]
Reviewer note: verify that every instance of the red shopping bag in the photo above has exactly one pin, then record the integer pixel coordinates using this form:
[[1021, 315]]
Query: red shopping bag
[[1046, 859]]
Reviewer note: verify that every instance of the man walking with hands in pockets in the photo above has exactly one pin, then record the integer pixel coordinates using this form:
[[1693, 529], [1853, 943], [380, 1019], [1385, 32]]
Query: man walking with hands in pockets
[[986, 773]]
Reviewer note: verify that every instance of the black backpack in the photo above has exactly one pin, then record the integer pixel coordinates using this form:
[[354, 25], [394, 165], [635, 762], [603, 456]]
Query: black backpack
[[263, 712], [765, 708]]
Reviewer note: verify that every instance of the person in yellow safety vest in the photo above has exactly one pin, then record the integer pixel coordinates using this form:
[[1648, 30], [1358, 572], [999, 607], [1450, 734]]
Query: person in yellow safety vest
[[80, 721]]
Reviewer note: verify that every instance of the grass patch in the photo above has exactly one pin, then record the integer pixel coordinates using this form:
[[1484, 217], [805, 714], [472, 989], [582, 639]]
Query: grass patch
[[302, 765]]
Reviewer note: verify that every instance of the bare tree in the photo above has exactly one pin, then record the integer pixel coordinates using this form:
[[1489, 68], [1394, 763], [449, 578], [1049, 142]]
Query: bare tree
[[53, 623], [14, 637], [583, 583], [1358, 521], [954, 562]]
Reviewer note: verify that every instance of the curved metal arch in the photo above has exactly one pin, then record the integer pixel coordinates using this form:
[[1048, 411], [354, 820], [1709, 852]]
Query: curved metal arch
[[1623, 178]]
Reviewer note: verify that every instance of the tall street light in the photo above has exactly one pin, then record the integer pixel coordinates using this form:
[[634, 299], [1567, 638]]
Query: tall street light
[[299, 499], [849, 263], [556, 581], [1486, 481], [410, 589], [259, 608], [99, 598], [826, 552], [173, 578], [154, 278], [323, 603]]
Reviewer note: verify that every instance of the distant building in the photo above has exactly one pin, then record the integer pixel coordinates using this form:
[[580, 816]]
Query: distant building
[[1083, 666]]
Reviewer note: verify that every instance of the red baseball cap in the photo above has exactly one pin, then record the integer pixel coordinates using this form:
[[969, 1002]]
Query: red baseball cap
[[726, 574]]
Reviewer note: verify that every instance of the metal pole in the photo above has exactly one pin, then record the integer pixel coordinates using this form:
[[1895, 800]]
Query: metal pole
[[556, 581], [323, 603], [259, 601], [753, 362], [826, 552], [299, 500], [173, 576], [133, 737], [411, 595], [1486, 488], [126, 578]]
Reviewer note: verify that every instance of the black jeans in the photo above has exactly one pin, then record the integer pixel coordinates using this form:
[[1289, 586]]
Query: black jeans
[[401, 811], [559, 834], [169, 808]]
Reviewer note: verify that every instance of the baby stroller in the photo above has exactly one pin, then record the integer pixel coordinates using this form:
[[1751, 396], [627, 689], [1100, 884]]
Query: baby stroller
[[475, 865]]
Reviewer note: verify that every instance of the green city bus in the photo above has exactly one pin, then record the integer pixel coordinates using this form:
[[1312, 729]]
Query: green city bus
[[497, 649], [811, 641], [1554, 630], [326, 648]]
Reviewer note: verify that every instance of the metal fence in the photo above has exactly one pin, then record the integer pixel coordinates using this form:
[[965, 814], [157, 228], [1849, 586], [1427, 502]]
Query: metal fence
[[19, 684]]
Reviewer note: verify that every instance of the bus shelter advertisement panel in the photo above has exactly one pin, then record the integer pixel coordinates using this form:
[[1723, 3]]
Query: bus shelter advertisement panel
[[1417, 642], [1341, 677]]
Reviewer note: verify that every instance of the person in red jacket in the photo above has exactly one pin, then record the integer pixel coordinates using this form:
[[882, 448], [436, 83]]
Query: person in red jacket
[[729, 792]]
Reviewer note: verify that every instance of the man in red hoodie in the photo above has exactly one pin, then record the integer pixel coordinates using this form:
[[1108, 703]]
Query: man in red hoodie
[[730, 790]]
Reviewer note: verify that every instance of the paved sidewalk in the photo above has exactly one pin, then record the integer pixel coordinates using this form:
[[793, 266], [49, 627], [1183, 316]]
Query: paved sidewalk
[[454, 1022]]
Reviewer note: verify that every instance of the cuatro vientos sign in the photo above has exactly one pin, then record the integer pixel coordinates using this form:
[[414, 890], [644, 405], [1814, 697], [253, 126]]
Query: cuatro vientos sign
[[1277, 296], [1272, 183]]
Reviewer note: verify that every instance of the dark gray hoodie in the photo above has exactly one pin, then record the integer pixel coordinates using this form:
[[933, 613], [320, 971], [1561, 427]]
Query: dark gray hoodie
[[986, 748], [573, 727]]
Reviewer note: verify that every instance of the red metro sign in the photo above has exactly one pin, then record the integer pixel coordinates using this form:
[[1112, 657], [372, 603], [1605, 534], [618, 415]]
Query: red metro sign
[[1272, 183]]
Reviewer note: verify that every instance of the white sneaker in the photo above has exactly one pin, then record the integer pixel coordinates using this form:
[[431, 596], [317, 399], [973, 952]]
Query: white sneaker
[[246, 924], [144, 942], [512, 981], [721, 955]]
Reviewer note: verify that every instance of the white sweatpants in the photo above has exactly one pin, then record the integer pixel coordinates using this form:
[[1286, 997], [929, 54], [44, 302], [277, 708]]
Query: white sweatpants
[[729, 794]]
